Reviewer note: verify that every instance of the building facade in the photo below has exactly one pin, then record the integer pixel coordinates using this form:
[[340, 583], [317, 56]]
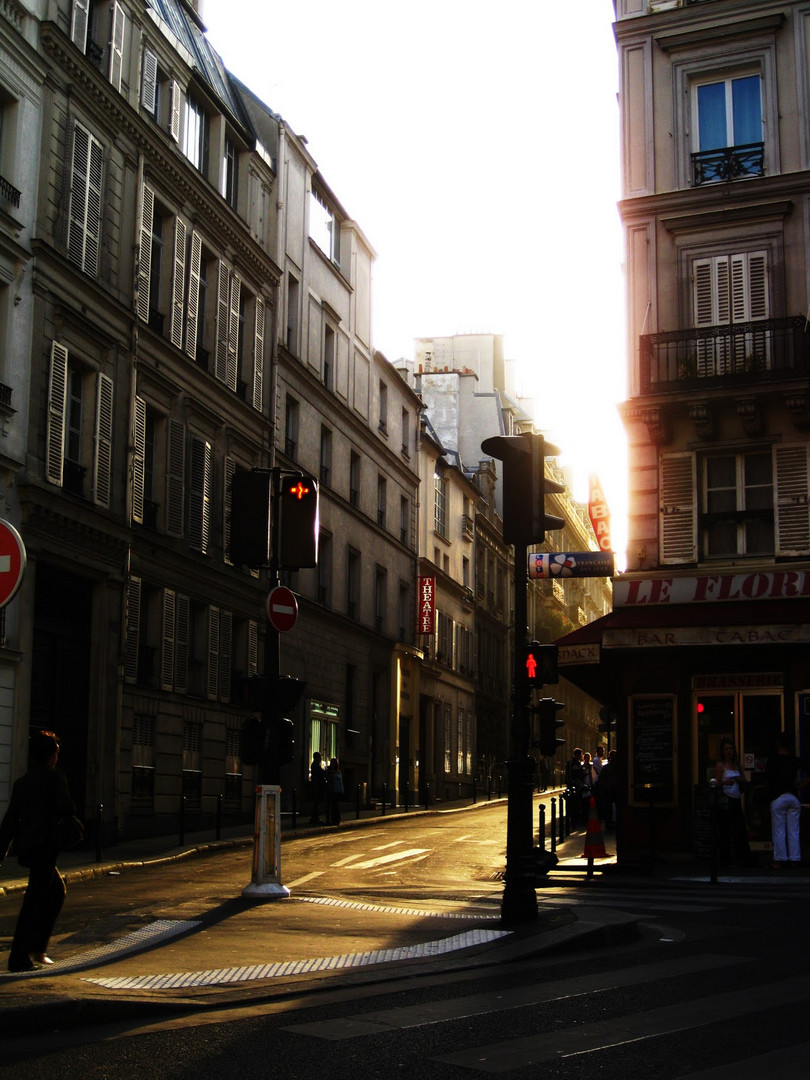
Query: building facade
[[708, 637]]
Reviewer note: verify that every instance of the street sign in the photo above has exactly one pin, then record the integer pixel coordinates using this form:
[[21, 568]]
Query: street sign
[[568, 564], [12, 561], [282, 609]]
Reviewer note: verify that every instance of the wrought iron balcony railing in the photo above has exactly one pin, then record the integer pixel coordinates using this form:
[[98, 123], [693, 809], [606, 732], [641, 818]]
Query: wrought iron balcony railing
[[730, 163], [8, 193], [732, 354]]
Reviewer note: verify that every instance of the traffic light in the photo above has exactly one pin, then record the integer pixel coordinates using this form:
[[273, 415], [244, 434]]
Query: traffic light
[[249, 543], [268, 740], [525, 486], [547, 710], [541, 664], [297, 521]]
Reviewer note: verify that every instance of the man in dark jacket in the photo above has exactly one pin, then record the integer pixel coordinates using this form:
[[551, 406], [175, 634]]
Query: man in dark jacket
[[39, 801]]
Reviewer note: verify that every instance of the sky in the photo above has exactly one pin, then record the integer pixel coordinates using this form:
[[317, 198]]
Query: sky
[[476, 145]]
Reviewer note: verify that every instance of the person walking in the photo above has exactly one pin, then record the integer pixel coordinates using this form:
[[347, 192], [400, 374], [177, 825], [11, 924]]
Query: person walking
[[334, 792], [781, 775], [40, 802], [317, 783]]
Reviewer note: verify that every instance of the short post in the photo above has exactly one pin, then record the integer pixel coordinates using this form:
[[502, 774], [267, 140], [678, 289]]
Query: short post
[[384, 797], [541, 825], [489, 787], [182, 830], [427, 794], [563, 815], [357, 803], [99, 828], [407, 795], [553, 824], [475, 792], [219, 816]]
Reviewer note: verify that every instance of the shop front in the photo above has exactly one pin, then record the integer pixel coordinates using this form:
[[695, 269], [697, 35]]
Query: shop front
[[686, 663]]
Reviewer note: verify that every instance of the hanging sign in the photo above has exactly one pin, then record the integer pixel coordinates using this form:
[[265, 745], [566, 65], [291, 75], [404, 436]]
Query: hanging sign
[[427, 605], [599, 513], [568, 564]]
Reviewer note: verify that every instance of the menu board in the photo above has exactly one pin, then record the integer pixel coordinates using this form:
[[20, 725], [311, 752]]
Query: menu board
[[652, 749]]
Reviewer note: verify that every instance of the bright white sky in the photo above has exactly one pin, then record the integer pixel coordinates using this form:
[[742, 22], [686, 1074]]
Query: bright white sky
[[477, 147]]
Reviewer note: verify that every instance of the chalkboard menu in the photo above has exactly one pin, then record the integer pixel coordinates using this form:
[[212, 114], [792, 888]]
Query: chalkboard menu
[[652, 749]]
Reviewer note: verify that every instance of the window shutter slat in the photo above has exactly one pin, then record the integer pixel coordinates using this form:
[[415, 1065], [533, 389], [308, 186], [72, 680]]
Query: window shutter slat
[[213, 653], [149, 81], [57, 396], [178, 284], [138, 460], [199, 509], [227, 503], [181, 635], [145, 252], [193, 307], [258, 356], [175, 478], [133, 623], [223, 308], [167, 650], [176, 111], [678, 516], [233, 332], [102, 456], [117, 45], [792, 489]]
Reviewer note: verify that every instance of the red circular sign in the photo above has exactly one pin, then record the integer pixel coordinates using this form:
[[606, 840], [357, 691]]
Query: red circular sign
[[282, 609], [12, 561]]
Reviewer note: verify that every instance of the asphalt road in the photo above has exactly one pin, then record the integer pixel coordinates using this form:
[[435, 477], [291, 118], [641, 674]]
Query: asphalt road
[[716, 986]]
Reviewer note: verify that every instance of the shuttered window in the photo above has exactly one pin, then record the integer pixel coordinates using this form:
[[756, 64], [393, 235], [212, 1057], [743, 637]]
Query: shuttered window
[[258, 355], [728, 290], [791, 468], [84, 213], [678, 509], [102, 456], [199, 494]]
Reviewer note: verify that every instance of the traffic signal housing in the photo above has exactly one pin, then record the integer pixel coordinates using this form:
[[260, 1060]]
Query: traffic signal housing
[[547, 711], [525, 486], [268, 740], [249, 543], [541, 664], [296, 521]]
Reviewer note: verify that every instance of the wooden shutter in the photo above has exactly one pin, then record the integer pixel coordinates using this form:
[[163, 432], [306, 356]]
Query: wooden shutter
[[227, 502], [213, 653], [79, 21], [222, 328], [175, 477], [199, 495], [138, 461], [258, 356], [193, 306], [133, 626], [176, 111], [149, 81], [181, 635], [116, 44], [233, 332], [84, 218], [178, 284], [678, 509], [57, 397], [167, 640], [253, 648], [102, 451], [225, 648], [792, 499], [144, 274]]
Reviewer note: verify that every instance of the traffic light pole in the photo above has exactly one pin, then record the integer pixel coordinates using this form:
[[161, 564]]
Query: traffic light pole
[[519, 897]]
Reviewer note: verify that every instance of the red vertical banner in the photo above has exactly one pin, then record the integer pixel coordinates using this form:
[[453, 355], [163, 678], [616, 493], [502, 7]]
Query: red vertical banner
[[427, 605], [599, 513]]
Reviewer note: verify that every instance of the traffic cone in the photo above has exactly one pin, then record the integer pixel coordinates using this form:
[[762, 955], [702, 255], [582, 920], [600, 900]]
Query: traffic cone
[[594, 844]]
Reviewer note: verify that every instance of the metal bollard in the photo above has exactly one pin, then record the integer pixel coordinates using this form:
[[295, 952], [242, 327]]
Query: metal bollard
[[294, 807], [541, 826], [563, 814], [553, 824], [384, 797], [407, 795], [99, 829], [427, 794], [219, 816], [182, 830], [489, 788], [357, 804]]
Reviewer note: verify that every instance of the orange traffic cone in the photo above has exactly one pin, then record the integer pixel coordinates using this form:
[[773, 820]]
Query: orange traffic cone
[[594, 844]]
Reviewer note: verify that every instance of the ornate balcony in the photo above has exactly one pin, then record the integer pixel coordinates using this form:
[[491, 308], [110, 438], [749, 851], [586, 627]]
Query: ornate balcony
[[730, 355], [8, 193], [730, 163]]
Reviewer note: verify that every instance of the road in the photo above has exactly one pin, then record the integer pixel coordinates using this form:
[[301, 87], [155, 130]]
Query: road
[[715, 987]]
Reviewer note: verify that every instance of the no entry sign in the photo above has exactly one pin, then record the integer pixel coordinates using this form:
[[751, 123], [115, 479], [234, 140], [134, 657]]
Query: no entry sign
[[282, 609], [12, 561]]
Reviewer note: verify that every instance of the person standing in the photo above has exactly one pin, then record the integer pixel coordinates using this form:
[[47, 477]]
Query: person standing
[[574, 782], [40, 800], [729, 775], [334, 792], [317, 783], [781, 775]]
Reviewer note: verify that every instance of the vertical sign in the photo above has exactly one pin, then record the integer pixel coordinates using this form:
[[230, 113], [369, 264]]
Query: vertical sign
[[427, 605], [599, 513]]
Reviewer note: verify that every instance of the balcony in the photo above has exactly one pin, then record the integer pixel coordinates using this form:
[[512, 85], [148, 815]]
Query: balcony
[[729, 356], [730, 163], [8, 193]]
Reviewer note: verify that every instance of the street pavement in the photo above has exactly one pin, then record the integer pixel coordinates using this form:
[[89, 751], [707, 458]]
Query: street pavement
[[251, 950]]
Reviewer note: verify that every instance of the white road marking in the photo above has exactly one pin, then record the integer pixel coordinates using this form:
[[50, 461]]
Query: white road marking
[[395, 856], [305, 878]]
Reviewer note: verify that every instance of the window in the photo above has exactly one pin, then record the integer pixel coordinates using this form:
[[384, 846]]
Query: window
[[233, 763], [380, 598], [732, 289], [353, 583], [738, 504], [230, 172], [404, 520], [293, 295], [383, 406], [329, 338], [439, 504], [161, 268], [728, 123], [324, 228], [291, 428], [199, 494], [84, 212], [326, 456], [195, 134], [382, 497], [354, 479], [97, 28], [192, 763], [79, 428], [406, 433], [143, 762]]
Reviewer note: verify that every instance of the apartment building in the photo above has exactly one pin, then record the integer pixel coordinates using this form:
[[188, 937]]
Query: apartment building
[[708, 637]]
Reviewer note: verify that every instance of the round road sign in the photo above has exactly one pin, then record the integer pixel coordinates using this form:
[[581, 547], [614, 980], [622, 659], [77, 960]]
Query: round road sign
[[12, 561], [282, 609]]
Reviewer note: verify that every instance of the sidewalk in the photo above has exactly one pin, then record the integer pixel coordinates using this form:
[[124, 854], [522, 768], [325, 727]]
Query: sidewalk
[[278, 947]]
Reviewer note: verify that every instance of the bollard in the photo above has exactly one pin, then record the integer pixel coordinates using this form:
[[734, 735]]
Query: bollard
[[407, 795], [294, 807], [475, 792], [99, 813], [563, 815], [219, 816], [357, 804], [427, 794], [541, 826], [553, 824], [489, 788], [384, 797], [182, 838]]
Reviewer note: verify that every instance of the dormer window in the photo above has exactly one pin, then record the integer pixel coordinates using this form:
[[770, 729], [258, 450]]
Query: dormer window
[[324, 227]]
